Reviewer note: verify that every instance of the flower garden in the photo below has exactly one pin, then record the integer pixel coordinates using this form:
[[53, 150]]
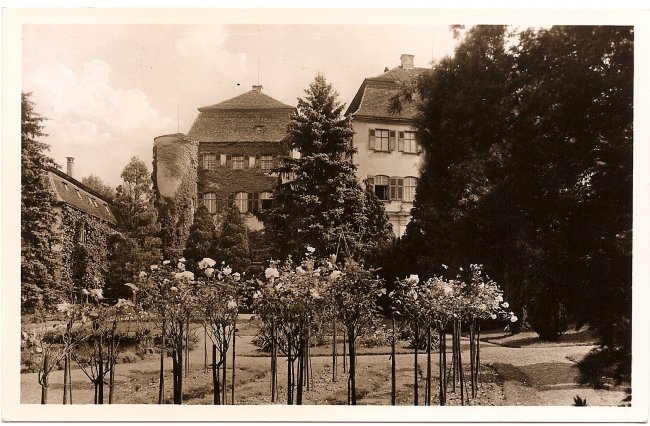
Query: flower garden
[[298, 308]]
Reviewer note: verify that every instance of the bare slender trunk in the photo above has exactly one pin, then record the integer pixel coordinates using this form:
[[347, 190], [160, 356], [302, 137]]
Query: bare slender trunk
[[289, 378], [100, 372], [232, 381], [478, 354], [44, 381], [205, 349], [66, 379], [345, 359], [461, 374], [161, 386], [274, 364], [428, 387], [442, 360], [353, 361], [224, 366], [215, 376], [334, 354], [416, 342], [393, 365], [301, 371]]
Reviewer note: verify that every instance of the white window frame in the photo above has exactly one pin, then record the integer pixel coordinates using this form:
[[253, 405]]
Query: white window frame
[[238, 162], [382, 180], [210, 201], [380, 139], [266, 163], [410, 145], [241, 201], [410, 184], [209, 161]]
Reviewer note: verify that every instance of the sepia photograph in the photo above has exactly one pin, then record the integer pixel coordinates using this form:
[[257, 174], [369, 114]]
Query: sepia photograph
[[419, 213]]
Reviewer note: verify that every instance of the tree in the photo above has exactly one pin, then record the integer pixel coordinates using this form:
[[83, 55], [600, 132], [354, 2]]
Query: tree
[[528, 168], [323, 200], [202, 241], [96, 184], [233, 241], [138, 246], [38, 285]]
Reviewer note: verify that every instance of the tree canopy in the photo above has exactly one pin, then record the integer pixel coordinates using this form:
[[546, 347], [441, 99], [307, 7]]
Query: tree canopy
[[528, 170], [37, 217], [320, 198]]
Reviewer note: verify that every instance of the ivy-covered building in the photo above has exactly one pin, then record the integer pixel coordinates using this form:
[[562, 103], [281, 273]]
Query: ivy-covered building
[[226, 157], [239, 142], [388, 156], [84, 222]]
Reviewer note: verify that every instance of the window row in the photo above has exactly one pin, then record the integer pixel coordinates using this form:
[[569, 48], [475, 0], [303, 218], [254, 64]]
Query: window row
[[394, 188], [245, 201], [391, 140], [262, 162]]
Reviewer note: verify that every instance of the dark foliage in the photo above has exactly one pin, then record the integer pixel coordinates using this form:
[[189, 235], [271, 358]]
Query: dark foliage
[[202, 240], [234, 249]]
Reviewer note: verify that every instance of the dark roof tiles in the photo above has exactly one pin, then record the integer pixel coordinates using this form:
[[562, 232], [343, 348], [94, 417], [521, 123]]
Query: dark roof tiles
[[71, 192], [374, 96], [250, 117]]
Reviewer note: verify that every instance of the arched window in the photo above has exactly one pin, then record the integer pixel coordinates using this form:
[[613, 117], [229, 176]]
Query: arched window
[[210, 202], [381, 187], [410, 183], [241, 201]]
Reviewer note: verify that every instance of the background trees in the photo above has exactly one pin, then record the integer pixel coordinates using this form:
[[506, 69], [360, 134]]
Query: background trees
[[38, 287], [95, 183], [528, 149], [323, 199], [233, 241], [202, 240]]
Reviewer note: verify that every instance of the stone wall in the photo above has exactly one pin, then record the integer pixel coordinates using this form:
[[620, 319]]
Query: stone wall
[[174, 181]]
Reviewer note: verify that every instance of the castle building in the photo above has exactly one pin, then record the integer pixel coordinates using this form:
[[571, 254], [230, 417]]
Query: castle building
[[239, 143], [388, 156], [85, 220]]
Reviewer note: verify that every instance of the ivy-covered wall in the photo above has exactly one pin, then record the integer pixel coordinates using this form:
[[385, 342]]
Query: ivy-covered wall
[[81, 265], [174, 183], [224, 181]]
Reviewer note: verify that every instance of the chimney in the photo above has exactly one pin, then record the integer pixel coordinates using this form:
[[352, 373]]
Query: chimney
[[257, 88], [70, 171], [407, 61]]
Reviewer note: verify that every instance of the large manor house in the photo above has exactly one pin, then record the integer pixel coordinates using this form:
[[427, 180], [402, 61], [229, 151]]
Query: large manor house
[[229, 152]]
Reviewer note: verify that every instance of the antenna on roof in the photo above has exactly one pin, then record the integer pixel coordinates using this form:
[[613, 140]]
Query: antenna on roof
[[258, 70], [178, 116]]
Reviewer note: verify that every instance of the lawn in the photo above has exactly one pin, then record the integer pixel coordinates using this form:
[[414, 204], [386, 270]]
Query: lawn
[[516, 370]]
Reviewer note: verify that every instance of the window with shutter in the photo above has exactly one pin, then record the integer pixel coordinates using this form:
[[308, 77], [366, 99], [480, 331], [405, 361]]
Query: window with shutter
[[410, 184], [381, 140], [371, 139], [266, 200], [391, 141], [228, 160], [209, 161], [251, 202], [410, 145], [400, 141], [238, 162], [266, 163], [381, 187]]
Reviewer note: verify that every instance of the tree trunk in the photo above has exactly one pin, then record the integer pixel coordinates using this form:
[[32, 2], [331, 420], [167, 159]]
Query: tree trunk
[[205, 349], [66, 379], [100, 372], [478, 353], [161, 381], [352, 383], [415, 365], [224, 369], [454, 358], [215, 376], [393, 365], [232, 381], [345, 359], [289, 379], [274, 365], [428, 386], [461, 373], [301, 371], [44, 381], [334, 354], [187, 348], [442, 370]]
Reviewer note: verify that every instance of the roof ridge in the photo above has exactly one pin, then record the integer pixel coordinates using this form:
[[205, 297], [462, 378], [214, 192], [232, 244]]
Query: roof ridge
[[246, 100]]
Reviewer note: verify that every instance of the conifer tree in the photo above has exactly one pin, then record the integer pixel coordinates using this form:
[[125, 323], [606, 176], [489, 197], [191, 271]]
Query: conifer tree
[[38, 287], [323, 200], [202, 240], [234, 249]]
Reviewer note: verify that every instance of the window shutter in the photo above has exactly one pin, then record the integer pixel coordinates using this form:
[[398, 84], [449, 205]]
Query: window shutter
[[391, 140], [247, 163], [256, 202], [400, 141], [400, 188], [229, 160], [371, 139], [371, 180], [393, 189], [258, 161], [222, 159]]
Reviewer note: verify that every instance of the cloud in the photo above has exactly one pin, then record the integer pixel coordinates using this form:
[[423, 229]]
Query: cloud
[[101, 125], [206, 45]]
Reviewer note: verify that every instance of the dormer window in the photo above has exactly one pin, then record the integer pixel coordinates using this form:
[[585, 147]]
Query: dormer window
[[65, 185], [78, 194], [258, 128]]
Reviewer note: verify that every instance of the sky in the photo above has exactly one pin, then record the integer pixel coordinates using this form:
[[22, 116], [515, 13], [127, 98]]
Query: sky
[[108, 90]]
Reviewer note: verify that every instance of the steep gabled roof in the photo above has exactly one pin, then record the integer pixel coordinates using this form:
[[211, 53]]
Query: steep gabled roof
[[373, 98], [75, 194], [250, 117]]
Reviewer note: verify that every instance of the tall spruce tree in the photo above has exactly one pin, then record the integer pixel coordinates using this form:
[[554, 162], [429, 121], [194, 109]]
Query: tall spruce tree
[[138, 246], [37, 217], [234, 249], [323, 201], [202, 240]]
